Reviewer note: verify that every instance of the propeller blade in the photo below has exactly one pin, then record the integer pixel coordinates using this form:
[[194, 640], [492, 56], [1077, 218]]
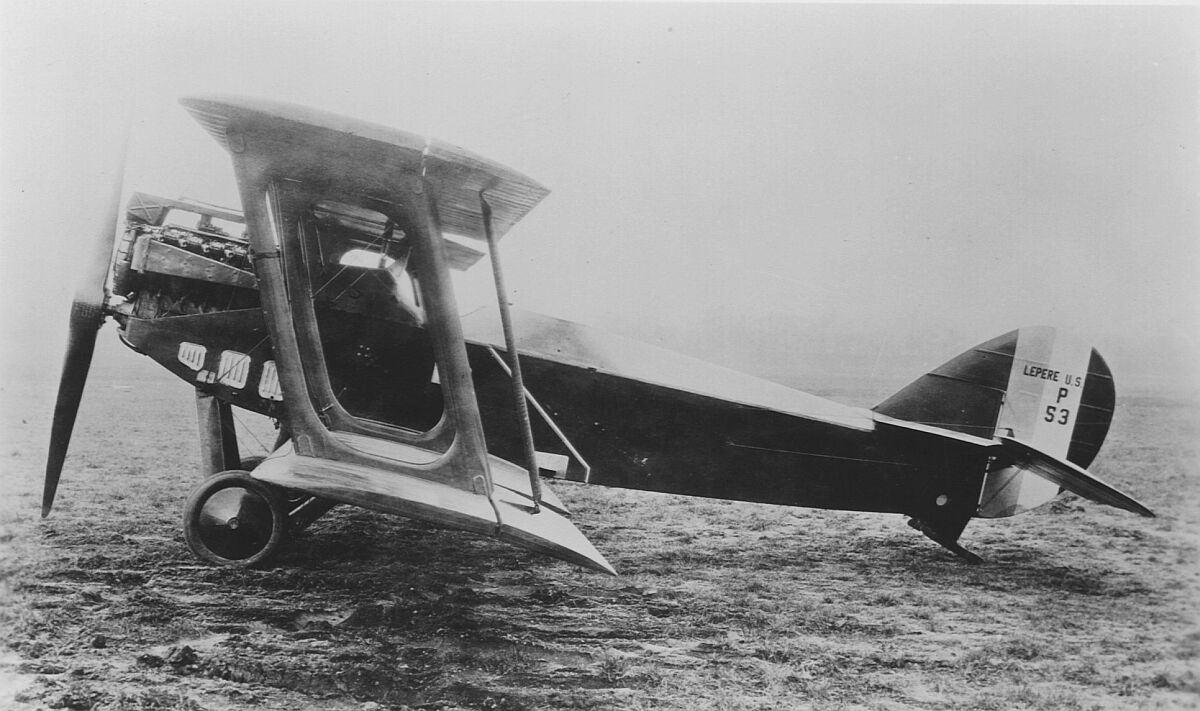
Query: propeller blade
[[81, 343], [87, 315]]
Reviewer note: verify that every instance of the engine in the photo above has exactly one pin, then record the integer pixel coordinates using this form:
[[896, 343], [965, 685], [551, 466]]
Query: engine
[[164, 269]]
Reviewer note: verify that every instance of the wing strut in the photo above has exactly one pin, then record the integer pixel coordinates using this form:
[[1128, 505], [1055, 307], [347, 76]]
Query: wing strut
[[514, 361], [562, 437]]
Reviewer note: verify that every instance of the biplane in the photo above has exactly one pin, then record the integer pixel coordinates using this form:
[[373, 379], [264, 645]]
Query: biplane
[[327, 304]]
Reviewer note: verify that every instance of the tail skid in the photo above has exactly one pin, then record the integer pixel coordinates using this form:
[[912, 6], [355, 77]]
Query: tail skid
[[949, 542]]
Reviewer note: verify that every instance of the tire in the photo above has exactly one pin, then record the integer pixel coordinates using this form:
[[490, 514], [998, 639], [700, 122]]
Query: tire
[[233, 519]]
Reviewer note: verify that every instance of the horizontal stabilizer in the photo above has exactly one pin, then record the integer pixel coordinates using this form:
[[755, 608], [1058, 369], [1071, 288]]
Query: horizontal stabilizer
[[1069, 476]]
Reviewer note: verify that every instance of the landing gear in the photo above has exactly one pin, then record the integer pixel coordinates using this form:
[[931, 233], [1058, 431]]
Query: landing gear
[[233, 519]]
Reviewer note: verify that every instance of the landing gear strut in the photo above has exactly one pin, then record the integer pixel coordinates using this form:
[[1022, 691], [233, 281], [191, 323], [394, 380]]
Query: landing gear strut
[[231, 518]]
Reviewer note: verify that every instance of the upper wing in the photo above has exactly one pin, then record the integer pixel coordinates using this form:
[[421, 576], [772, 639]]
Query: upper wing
[[459, 174]]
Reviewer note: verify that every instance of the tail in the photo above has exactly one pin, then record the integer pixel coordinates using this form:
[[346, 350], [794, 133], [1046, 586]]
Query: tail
[[1043, 399]]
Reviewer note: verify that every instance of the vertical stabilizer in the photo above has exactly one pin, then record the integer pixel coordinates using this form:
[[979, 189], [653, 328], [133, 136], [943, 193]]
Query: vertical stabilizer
[[1059, 400], [1037, 385]]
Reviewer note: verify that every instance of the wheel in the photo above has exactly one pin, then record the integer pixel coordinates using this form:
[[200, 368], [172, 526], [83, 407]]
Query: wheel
[[234, 519]]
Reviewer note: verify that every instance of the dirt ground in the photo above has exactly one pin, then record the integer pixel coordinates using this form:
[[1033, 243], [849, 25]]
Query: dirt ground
[[719, 605]]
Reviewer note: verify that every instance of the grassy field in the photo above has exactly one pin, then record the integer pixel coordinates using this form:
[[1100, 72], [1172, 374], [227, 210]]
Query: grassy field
[[719, 605]]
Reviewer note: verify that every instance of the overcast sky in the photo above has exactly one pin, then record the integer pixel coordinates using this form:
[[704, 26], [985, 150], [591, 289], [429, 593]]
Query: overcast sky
[[745, 181]]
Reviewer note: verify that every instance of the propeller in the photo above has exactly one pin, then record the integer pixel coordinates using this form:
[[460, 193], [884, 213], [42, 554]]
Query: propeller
[[87, 315]]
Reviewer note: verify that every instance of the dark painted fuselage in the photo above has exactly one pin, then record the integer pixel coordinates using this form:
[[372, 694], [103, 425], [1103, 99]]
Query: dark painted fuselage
[[643, 436], [633, 434]]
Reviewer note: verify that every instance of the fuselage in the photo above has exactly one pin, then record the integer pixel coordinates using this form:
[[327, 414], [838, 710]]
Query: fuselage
[[630, 432]]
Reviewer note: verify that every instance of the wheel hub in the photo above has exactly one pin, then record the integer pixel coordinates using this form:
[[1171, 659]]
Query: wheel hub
[[235, 523]]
